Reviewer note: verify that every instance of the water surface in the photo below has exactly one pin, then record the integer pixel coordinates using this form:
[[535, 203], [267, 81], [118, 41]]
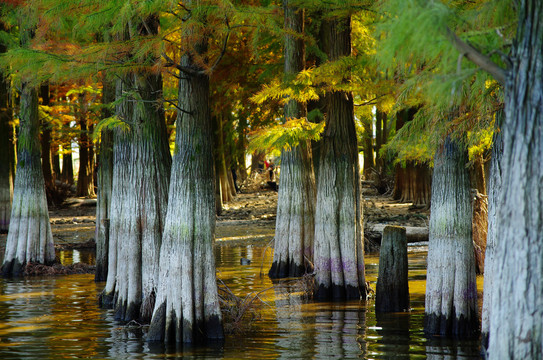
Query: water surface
[[58, 317]]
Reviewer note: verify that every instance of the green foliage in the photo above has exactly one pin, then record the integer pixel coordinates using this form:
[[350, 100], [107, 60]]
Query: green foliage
[[285, 136], [110, 123]]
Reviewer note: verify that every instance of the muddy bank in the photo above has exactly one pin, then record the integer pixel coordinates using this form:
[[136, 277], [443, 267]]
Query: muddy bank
[[248, 219]]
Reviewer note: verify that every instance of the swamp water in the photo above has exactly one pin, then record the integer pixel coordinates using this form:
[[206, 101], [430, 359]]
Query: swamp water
[[58, 317]]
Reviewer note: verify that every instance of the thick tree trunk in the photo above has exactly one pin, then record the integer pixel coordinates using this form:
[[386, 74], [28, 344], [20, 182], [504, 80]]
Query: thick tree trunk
[[413, 183], [295, 224], [392, 290], [451, 290], [494, 192], [7, 155], [516, 310], [29, 236], [105, 178], [339, 249], [187, 305], [141, 172]]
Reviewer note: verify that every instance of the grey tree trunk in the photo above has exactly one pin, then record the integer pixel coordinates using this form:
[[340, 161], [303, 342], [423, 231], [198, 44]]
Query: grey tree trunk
[[494, 190], [7, 154], [339, 248], [29, 236], [187, 305], [85, 178], [392, 291], [105, 178], [451, 289], [516, 309], [295, 224], [138, 206]]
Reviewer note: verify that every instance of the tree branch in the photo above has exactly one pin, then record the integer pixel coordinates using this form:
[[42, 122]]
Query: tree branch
[[476, 57]]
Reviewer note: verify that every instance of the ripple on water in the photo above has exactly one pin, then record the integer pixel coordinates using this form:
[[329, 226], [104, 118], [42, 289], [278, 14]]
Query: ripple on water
[[58, 317]]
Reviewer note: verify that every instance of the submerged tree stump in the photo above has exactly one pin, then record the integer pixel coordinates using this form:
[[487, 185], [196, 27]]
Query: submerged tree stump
[[392, 294]]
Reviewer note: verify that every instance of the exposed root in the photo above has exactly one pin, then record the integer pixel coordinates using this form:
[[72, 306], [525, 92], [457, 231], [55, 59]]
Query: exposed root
[[33, 269], [239, 314]]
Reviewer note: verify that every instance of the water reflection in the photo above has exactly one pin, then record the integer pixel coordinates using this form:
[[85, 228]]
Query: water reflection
[[58, 317]]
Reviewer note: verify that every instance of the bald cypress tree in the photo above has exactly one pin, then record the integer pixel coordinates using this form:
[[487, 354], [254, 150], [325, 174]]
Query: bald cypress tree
[[29, 237], [293, 255], [339, 250], [187, 303]]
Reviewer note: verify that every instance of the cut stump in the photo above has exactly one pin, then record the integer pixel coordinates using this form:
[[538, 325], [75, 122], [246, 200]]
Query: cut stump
[[392, 293]]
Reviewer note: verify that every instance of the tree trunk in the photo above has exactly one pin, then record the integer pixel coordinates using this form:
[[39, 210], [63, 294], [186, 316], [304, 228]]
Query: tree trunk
[[85, 178], [413, 183], [67, 165], [369, 163], [7, 153], [392, 291], [339, 247], [494, 191], [56, 161], [451, 290], [46, 163], [241, 146], [295, 223], [138, 206], [227, 193], [516, 311], [187, 305], [105, 178], [29, 236]]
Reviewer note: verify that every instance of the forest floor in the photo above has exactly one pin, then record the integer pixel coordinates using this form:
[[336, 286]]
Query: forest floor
[[248, 219]]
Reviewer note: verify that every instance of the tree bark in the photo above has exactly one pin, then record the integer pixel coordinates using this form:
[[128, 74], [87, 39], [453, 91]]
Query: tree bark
[[516, 311], [67, 165], [29, 237], [138, 206], [46, 163], [105, 191], [494, 191], [451, 290], [392, 291], [85, 178], [187, 305], [339, 249], [295, 223], [7, 154]]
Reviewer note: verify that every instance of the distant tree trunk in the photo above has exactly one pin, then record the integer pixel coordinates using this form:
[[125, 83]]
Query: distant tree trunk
[[257, 162], [295, 224], [187, 306], [7, 149], [56, 161], [139, 200], [67, 165], [241, 146], [451, 289], [413, 182], [29, 236], [516, 310], [105, 178], [494, 191], [339, 247], [46, 162], [85, 178], [226, 191], [369, 163]]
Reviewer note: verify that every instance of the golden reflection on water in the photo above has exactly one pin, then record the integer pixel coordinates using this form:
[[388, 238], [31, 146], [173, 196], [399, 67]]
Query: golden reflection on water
[[58, 317]]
